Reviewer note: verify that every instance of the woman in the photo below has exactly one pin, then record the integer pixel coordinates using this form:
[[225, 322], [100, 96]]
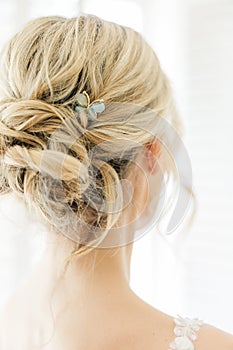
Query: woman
[[82, 100]]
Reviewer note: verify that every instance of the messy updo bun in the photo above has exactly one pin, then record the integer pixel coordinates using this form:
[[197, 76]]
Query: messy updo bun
[[46, 155]]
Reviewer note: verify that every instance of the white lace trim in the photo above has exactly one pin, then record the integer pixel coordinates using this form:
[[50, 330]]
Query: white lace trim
[[185, 331]]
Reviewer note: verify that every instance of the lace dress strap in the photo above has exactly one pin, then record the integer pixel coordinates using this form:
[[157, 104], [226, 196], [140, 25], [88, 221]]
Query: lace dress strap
[[185, 331]]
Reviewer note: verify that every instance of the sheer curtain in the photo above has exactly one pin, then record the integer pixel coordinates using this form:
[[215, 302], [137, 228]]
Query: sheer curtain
[[190, 272]]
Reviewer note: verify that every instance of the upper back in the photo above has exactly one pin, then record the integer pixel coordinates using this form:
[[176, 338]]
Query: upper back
[[135, 328]]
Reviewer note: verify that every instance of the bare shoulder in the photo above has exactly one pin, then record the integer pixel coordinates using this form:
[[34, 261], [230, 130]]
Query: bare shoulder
[[162, 326], [210, 337], [150, 329], [145, 327], [157, 332]]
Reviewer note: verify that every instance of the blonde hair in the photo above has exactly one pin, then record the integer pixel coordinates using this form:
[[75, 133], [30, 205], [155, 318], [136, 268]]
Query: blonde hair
[[43, 145]]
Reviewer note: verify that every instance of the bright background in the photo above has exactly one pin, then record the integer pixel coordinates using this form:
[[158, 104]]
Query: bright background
[[189, 273]]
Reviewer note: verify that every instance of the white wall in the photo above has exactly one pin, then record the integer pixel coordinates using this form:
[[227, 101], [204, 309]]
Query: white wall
[[208, 255], [193, 40]]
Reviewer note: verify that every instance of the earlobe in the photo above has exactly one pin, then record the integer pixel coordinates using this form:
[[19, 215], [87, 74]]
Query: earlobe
[[152, 155]]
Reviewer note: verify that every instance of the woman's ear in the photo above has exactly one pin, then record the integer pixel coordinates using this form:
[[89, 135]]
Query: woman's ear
[[152, 155]]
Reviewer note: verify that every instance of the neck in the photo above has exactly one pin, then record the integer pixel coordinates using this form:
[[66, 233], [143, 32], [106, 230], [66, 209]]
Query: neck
[[101, 274]]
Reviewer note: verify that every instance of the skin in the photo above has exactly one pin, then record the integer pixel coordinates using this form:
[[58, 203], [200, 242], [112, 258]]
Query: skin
[[94, 306]]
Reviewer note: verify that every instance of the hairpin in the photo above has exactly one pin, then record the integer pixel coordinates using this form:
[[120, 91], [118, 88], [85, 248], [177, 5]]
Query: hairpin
[[91, 109]]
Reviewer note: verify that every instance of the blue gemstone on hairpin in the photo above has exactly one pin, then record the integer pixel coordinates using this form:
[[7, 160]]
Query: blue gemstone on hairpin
[[92, 115], [82, 100], [98, 107], [83, 104], [79, 108]]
